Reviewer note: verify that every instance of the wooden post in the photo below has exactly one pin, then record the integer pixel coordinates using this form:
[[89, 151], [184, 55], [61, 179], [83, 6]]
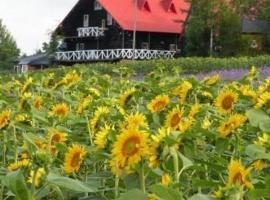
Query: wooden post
[[149, 40], [123, 39], [135, 26], [211, 42]]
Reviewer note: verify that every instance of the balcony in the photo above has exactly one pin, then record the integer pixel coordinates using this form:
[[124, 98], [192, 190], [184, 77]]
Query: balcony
[[91, 31], [112, 54]]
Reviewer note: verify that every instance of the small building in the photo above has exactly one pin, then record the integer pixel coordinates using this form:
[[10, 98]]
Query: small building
[[34, 62], [255, 33], [100, 30]]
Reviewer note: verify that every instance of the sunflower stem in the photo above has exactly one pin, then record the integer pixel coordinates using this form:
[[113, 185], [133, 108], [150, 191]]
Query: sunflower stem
[[142, 179], [89, 131], [15, 144], [236, 153], [116, 187], [175, 165], [86, 179], [4, 149]]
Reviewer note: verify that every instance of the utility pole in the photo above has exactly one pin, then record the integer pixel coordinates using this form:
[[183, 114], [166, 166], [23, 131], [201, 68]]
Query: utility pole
[[211, 42], [135, 15]]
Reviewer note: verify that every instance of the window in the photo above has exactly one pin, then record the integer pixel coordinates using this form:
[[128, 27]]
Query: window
[[103, 23], [79, 46], [82, 46], [86, 20], [173, 47], [109, 19], [97, 6], [145, 45], [24, 68]]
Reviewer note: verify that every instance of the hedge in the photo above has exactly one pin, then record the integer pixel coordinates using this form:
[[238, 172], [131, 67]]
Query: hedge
[[188, 65]]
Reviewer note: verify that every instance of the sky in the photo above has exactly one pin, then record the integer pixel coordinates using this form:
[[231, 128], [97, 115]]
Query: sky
[[31, 21]]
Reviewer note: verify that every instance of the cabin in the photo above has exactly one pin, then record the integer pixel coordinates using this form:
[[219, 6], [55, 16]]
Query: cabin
[[100, 30], [37, 61], [254, 31]]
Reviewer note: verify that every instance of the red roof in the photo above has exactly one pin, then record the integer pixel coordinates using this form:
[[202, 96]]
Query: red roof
[[164, 16]]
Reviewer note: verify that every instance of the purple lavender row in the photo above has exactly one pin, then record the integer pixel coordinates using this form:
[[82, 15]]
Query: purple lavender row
[[233, 74]]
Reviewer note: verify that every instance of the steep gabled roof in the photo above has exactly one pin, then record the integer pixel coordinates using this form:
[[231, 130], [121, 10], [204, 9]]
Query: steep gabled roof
[[254, 26], [164, 16], [37, 59]]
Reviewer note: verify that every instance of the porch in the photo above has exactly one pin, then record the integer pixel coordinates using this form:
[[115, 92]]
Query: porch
[[112, 54]]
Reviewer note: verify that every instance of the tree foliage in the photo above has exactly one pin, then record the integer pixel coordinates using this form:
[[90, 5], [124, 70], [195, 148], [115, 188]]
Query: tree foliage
[[9, 51], [224, 20]]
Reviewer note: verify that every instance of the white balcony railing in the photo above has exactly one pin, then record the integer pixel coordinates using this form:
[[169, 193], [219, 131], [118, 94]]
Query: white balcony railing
[[91, 31], [112, 54]]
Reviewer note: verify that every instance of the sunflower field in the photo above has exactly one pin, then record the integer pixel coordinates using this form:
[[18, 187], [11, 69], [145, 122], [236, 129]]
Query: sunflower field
[[78, 134]]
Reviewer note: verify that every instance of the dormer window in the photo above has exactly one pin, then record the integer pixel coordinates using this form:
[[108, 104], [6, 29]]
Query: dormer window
[[97, 6], [144, 5], [172, 8]]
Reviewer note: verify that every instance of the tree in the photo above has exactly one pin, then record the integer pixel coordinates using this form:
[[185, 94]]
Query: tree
[[52, 47], [214, 27], [8, 48]]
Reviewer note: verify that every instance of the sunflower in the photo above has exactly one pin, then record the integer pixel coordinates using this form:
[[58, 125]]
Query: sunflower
[[23, 99], [182, 91], [130, 147], [263, 99], [100, 111], [263, 140], [126, 96], [83, 104], [234, 122], [71, 78], [259, 165], [248, 92], [206, 123], [252, 71], [173, 119], [55, 137], [158, 103], [37, 103], [4, 118], [264, 87], [21, 117], [40, 143], [120, 110], [185, 124], [117, 169], [94, 91], [73, 158], [135, 121], [166, 180], [152, 197], [238, 175], [194, 110], [162, 133], [101, 137], [226, 100], [60, 110], [211, 80], [25, 163], [155, 142], [153, 159], [36, 177], [207, 94], [27, 84]]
